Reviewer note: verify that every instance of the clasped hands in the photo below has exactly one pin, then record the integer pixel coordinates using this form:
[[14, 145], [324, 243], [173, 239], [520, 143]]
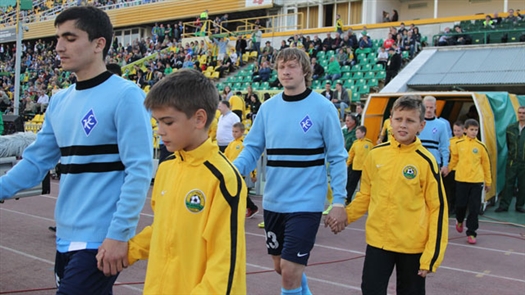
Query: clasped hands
[[337, 219]]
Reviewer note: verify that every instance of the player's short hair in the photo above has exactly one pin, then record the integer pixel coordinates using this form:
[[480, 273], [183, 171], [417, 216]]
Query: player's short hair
[[410, 102], [95, 22], [239, 125], [471, 123], [226, 103], [186, 90], [361, 128], [114, 68], [300, 56], [458, 123]]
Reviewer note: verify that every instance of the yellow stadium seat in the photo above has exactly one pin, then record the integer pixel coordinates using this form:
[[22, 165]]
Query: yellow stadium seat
[[215, 75], [208, 74], [253, 54], [146, 88]]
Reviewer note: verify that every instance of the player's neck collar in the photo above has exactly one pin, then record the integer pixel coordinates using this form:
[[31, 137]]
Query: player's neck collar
[[297, 97], [95, 81]]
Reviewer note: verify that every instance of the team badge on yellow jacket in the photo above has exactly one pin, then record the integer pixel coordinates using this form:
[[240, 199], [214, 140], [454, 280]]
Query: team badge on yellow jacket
[[409, 172], [195, 201]]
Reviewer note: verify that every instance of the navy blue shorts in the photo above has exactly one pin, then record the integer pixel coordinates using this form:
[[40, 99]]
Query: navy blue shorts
[[76, 272], [291, 235]]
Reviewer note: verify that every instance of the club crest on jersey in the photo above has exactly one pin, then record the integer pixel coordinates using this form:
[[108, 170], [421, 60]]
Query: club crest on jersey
[[195, 201], [306, 124], [409, 172], [475, 150], [89, 121], [366, 146]]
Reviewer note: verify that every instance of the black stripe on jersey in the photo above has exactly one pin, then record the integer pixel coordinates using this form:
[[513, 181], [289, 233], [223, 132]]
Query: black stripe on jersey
[[295, 164], [384, 144], [423, 141], [91, 167], [439, 231], [88, 150], [233, 201], [295, 152], [430, 147]]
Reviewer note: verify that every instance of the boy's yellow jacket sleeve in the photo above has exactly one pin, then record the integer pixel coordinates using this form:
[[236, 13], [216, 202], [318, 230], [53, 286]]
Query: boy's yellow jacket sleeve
[[139, 245], [435, 198], [351, 155], [453, 156]]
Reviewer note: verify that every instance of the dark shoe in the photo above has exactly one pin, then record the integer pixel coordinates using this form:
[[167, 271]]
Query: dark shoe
[[520, 210], [53, 229], [500, 209], [251, 212]]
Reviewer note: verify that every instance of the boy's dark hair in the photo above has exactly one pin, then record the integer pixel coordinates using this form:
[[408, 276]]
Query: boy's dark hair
[[239, 125], [95, 22], [410, 102], [458, 123], [114, 68], [177, 90], [238, 93], [361, 128], [471, 123], [226, 103]]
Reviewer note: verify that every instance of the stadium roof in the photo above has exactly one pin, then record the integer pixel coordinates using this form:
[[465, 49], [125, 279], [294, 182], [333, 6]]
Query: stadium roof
[[493, 68]]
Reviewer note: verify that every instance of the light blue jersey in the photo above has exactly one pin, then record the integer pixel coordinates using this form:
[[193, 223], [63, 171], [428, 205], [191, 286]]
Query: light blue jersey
[[299, 134], [101, 133], [436, 139]]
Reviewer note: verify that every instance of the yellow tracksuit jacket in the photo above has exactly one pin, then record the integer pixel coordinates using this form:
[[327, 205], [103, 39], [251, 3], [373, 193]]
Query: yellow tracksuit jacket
[[233, 150], [453, 141], [196, 243], [471, 161], [402, 191], [358, 152]]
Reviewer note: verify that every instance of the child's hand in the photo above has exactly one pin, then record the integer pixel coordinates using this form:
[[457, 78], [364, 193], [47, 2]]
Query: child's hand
[[100, 256], [254, 179], [422, 273], [487, 188]]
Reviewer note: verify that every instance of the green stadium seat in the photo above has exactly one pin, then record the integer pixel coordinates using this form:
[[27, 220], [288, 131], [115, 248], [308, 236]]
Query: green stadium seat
[[381, 75], [346, 76], [370, 75], [372, 82], [378, 67], [356, 68], [356, 97], [358, 75], [366, 68], [348, 83], [256, 85], [265, 86], [360, 82], [320, 55], [363, 90], [220, 86], [345, 69]]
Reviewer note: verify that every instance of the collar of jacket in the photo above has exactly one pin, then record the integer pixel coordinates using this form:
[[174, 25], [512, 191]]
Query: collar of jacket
[[199, 155], [405, 148]]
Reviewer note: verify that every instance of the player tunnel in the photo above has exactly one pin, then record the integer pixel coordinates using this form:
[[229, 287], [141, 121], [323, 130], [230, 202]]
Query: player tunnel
[[493, 110]]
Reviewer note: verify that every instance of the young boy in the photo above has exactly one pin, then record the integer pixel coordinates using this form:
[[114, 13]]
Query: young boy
[[407, 225], [448, 180], [196, 243], [356, 157], [232, 151], [471, 161]]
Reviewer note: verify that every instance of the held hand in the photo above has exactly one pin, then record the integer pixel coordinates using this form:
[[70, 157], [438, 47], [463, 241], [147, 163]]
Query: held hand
[[337, 219], [487, 188], [422, 273], [254, 179], [112, 256], [444, 171], [379, 140]]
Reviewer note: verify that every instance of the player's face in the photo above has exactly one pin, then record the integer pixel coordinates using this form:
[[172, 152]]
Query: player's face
[[458, 131], [430, 109], [175, 129], [77, 53], [472, 131], [237, 133], [291, 76], [406, 124], [359, 134], [521, 115]]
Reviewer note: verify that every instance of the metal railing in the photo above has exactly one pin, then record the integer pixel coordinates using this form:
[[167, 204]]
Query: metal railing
[[484, 37]]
